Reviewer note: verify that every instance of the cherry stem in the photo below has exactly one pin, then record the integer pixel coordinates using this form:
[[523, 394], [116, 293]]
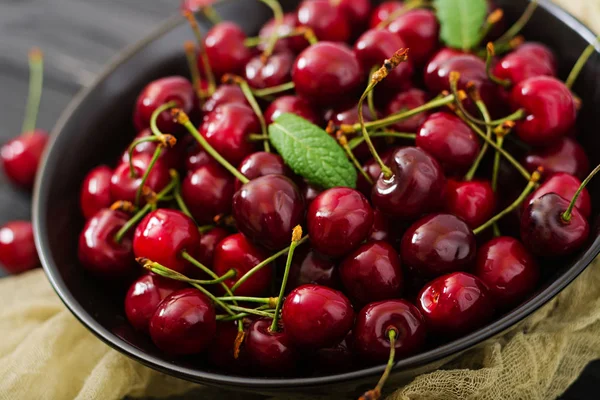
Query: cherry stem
[[205, 228], [496, 167], [36, 84], [535, 177], [264, 262], [496, 230], [174, 275], [371, 95], [156, 113], [155, 156], [305, 31], [253, 137], [132, 147], [356, 141], [182, 118], [278, 16], [521, 22], [263, 300], [284, 87], [192, 60], [186, 256], [409, 5], [566, 216], [210, 77], [374, 394], [489, 24], [179, 200], [343, 141], [486, 116], [488, 67], [252, 311], [296, 237], [581, 61], [210, 14]]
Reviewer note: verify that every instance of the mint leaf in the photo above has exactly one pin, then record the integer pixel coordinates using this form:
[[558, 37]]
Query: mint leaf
[[461, 21], [311, 152]]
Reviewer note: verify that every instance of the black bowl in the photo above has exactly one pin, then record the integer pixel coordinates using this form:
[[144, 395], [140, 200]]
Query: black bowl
[[97, 125]]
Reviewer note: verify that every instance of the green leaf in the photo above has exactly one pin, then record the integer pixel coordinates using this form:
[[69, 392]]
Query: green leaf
[[461, 21], [311, 152]]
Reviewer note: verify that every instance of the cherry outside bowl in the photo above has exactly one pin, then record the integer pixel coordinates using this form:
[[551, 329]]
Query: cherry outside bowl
[[97, 126]]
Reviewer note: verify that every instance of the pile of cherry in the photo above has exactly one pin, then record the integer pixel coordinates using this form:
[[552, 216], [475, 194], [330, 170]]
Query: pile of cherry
[[235, 253]]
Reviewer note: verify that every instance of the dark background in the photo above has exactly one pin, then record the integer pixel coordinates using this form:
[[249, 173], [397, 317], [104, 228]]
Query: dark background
[[78, 38]]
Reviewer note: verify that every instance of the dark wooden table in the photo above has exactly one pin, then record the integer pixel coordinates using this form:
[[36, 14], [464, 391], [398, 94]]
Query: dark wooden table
[[78, 38]]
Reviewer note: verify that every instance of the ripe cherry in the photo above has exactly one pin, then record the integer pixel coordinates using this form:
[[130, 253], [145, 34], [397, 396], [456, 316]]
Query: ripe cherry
[[207, 192], [420, 31], [541, 51], [328, 22], [564, 185], [95, 191], [260, 164], [518, 66], [338, 220], [237, 253], [17, 249], [407, 100], [294, 43], [21, 157], [372, 273], [508, 269], [273, 352], [438, 244], [171, 156], [383, 11], [386, 228], [225, 94], [225, 49], [220, 351], [455, 304], [208, 243], [227, 129], [431, 69], [197, 158], [357, 12], [566, 155], [144, 296], [370, 334], [163, 235], [184, 323], [294, 105], [316, 316], [308, 266], [124, 187], [473, 201], [274, 71], [327, 73]]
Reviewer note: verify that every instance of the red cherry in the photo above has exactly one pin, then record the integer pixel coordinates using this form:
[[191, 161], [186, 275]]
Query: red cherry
[[550, 108], [225, 94], [163, 235], [474, 201], [541, 51], [372, 273], [237, 253], [208, 244], [267, 208], [124, 187], [308, 266], [95, 191], [295, 43], [328, 22], [21, 157], [159, 92], [565, 186], [509, 271], [276, 70], [327, 74], [184, 323], [260, 164], [98, 251], [316, 316], [17, 249], [197, 158], [292, 104], [227, 129], [195, 5], [338, 220], [420, 31], [171, 156], [383, 11], [519, 66], [407, 100], [385, 228], [272, 352], [207, 192], [144, 296], [455, 304], [357, 12], [370, 335], [225, 49], [220, 351], [438, 244], [432, 67], [566, 155]]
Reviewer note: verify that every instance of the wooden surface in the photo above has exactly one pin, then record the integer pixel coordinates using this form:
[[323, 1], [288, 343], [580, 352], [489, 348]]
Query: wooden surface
[[78, 38]]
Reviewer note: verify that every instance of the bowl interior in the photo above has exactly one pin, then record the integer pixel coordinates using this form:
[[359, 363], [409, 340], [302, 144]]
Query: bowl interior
[[97, 126]]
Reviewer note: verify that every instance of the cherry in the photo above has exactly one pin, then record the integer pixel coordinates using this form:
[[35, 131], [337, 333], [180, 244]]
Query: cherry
[[518, 66], [328, 22], [237, 253], [267, 208], [273, 352], [195, 5], [17, 249], [407, 100], [124, 187], [566, 155], [416, 186], [171, 156], [438, 244], [309, 193], [431, 69], [292, 104], [564, 185], [184, 323], [385, 228], [260, 164], [473, 201], [373, 47], [220, 351], [224, 94], [540, 51], [420, 31], [327, 73], [509, 271], [98, 250], [455, 304], [338, 220], [550, 108], [357, 12], [197, 158], [207, 192], [144, 296], [227, 129], [447, 138], [316, 316], [383, 11], [95, 191], [163, 235], [274, 71], [372, 273], [545, 232], [21, 157], [159, 92], [208, 244], [308, 266], [335, 359], [370, 334], [225, 49], [294, 43]]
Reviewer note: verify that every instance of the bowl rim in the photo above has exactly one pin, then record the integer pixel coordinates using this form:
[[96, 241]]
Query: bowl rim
[[451, 348]]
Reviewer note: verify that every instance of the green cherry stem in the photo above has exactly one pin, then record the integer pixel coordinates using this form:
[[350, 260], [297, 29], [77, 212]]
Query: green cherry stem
[[581, 61], [36, 84], [174, 275], [296, 237], [179, 200], [236, 317], [252, 311], [284, 87], [496, 167], [210, 77], [308, 34], [521, 22], [356, 141], [371, 96], [486, 116], [375, 394], [155, 156], [566, 216], [270, 301], [343, 141], [145, 139], [156, 113], [192, 60], [205, 228], [488, 68], [182, 118], [186, 256], [278, 17], [489, 24], [211, 14]]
